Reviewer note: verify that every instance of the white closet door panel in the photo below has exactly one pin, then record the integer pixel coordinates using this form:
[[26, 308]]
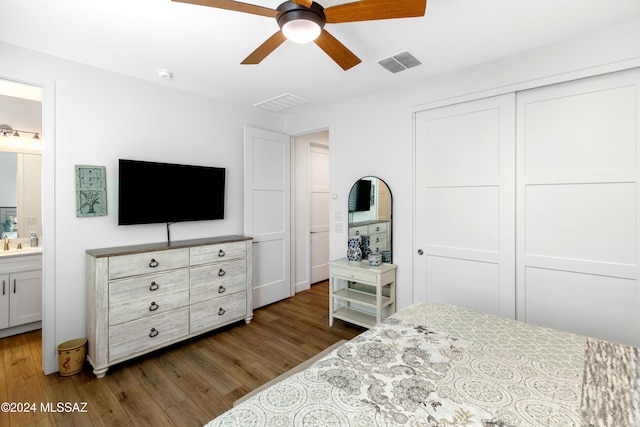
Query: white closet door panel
[[577, 206], [466, 283], [582, 131], [465, 203], [595, 222], [592, 298], [463, 217], [472, 148]]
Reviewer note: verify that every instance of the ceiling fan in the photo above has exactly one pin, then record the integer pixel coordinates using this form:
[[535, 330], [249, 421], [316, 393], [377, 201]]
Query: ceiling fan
[[302, 21]]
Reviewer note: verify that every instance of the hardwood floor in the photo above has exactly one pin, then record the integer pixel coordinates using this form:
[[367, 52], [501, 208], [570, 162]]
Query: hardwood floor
[[185, 385]]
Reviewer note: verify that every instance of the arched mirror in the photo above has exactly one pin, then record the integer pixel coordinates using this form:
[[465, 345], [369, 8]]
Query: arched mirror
[[370, 210]]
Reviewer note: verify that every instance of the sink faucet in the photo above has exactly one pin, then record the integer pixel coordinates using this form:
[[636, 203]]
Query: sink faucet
[[6, 243]]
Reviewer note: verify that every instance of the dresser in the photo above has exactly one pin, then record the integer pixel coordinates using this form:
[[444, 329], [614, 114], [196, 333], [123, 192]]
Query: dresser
[[144, 297], [379, 233], [361, 294]]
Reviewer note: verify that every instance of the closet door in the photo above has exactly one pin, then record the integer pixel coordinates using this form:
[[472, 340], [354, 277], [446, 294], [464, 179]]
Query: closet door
[[465, 206], [577, 210]]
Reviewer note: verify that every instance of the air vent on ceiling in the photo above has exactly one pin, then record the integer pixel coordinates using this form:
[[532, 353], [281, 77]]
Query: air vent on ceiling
[[281, 103], [399, 62]]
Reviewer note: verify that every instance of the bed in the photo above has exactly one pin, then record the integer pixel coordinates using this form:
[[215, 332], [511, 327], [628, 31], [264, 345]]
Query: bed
[[439, 365]]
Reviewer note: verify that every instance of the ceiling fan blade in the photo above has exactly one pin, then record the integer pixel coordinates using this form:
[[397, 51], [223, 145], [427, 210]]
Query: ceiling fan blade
[[336, 50], [305, 3], [371, 10], [265, 49], [234, 5]]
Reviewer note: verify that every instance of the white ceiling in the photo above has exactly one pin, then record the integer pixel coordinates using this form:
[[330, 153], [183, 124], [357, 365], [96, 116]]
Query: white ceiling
[[203, 46]]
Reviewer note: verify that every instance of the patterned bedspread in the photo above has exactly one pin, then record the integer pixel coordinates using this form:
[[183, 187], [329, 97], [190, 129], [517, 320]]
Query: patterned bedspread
[[438, 365]]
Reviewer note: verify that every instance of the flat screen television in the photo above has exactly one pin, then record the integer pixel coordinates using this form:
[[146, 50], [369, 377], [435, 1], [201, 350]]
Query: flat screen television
[[151, 192], [360, 196]]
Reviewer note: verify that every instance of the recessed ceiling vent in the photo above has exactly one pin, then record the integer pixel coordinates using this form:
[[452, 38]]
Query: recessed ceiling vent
[[281, 103], [399, 62]]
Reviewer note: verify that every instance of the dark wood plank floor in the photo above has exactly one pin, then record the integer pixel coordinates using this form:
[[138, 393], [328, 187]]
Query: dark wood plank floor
[[185, 385]]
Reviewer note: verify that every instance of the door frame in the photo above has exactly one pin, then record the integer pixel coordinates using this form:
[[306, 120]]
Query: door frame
[[300, 224], [49, 354]]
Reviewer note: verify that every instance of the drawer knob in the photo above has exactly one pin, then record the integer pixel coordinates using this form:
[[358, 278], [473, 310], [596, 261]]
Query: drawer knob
[[377, 228], [221, 289], [357, 232], [153, 306], [221, 253], [154, 286], [153, 263], [154, 333], [221, 272], [221, 311]]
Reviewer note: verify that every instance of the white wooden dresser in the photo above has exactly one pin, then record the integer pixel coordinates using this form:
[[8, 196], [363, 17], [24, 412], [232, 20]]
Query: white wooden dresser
[[144, 297]]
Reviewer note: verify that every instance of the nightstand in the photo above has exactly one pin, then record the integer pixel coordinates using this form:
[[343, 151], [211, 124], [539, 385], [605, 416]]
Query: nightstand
[[361, 294]]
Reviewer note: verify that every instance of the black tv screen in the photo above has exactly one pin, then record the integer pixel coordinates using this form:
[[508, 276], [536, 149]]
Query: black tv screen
[[151, 192], [360, 196]]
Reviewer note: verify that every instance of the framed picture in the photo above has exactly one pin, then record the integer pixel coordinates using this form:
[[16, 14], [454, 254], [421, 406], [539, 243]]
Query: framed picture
[[91, 191]]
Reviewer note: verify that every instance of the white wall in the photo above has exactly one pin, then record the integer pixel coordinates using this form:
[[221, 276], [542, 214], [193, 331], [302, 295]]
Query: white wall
[[377, 129], [102, 116]]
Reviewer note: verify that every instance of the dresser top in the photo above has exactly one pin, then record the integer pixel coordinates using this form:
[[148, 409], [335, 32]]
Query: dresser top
[[152, 247]]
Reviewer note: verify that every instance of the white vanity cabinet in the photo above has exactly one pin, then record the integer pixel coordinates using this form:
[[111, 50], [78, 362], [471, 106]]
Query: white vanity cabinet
[[145, 297], [20, 293]]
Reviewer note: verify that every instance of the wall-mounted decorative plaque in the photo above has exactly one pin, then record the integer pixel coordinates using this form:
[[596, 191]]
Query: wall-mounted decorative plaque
[[91, 191]]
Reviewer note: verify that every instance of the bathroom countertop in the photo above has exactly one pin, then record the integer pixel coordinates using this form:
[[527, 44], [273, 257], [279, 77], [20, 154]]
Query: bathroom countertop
[[20, 252]]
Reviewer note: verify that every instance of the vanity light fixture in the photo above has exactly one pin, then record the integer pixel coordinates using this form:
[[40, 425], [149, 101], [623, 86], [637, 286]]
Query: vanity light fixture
[[11, 138]]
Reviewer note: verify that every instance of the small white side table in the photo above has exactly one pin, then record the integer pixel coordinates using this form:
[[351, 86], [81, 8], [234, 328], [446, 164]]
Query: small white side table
[[361, 294]]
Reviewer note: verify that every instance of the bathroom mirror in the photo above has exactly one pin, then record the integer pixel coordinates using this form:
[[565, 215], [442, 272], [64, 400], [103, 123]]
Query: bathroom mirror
[[370, 212], [20, 194]]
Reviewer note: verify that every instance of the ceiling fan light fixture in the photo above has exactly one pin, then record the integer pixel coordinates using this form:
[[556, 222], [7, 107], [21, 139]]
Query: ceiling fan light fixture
[[301, 31], [300, 24]]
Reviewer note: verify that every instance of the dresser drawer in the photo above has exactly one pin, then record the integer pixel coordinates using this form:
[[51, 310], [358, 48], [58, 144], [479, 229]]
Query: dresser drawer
[[358, 231], [150, 262], [380, 227], [131, 299], [354, 275], [220, 252], [219, 311], [222, 278], [147, 334], [378, 243]]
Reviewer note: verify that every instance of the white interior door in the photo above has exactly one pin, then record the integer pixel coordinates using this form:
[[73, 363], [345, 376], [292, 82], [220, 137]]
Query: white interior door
[[319, 212], [267, 212], [465, 204], [578, 198]]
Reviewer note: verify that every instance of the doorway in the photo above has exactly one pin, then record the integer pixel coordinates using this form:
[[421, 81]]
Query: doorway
[[311, 184], [28, 87]]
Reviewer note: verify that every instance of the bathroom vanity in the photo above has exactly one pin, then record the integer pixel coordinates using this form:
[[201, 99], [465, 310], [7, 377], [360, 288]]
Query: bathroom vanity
[[20, 290]]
